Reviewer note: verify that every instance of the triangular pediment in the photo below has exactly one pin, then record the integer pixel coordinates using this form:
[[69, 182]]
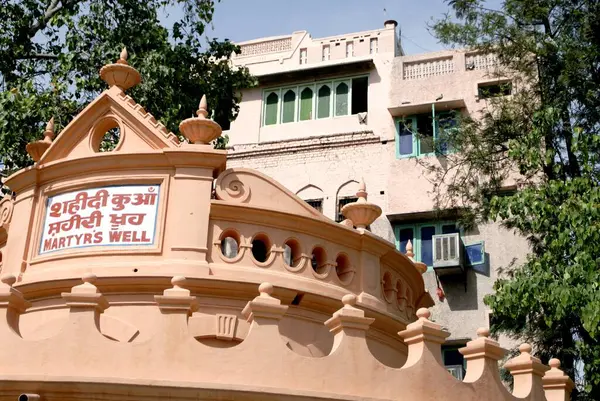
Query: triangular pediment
[[139, 131]]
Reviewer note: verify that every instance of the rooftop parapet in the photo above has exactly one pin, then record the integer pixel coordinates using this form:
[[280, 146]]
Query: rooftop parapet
[[173, 359]]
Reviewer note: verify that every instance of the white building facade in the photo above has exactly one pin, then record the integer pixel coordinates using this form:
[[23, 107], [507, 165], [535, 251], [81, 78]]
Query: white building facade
[[330, 111]]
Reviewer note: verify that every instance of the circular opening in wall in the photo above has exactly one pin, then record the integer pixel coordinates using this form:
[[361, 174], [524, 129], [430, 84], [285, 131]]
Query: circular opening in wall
[[135, 270], [110, 140], [388, 287], [343, 269], [319, 260], [292, 253], [261, 248], [400, 295], [106, 135], [230, 244]]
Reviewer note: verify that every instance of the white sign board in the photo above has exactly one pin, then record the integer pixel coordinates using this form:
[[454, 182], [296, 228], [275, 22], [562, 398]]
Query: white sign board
[[106, 216]]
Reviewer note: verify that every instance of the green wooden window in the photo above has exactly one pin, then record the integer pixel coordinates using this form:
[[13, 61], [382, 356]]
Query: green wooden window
[[306, 104], [323, 99], [289, 107], [341, 99], [324, 102], [271, 105]]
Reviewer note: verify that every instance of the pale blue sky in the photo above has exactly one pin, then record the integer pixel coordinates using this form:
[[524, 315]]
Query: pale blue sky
[[240, 20]]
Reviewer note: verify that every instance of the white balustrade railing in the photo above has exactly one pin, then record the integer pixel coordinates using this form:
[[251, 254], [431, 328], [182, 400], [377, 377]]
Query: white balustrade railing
[[480, 61], [428, 68]]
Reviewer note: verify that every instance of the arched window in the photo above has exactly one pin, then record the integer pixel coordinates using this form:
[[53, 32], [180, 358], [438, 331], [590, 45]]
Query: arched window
[[306, 104], [271, 109], [324, 106], [289, 107], [341, 99]]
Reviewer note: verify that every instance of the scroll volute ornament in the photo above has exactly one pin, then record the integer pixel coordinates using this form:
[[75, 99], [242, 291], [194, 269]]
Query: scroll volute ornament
[[120, 74], [361, 212], [200, 130], [37, 149], [6, 211]]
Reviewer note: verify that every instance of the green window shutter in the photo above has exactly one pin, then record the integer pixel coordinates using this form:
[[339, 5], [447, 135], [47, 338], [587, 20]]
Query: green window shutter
[[271, 109], [306, 104], [341, 99], [324, 104], [289, 107]]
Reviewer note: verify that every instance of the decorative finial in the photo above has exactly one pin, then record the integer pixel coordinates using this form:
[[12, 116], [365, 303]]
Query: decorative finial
[[483, 332], [37, 149], [120, 74], [8, 279], [361, 212], [423, 314], [265, 289], [200, 130], [178, 281], [525, 348], [49, 131], [362, 189], [409, 249], [89, 278], [123, 56], [554, 363], [202, 108], [349, 299]]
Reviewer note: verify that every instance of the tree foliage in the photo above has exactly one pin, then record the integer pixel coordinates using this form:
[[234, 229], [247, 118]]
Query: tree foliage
[[51, 52], [545, 139]]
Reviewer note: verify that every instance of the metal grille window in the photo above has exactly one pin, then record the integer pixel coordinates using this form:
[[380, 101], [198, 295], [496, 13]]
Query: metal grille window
[[316, 203], [341, 203], [454, 361]]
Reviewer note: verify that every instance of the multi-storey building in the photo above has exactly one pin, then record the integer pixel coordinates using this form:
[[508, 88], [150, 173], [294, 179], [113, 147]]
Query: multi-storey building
[[328, 111]]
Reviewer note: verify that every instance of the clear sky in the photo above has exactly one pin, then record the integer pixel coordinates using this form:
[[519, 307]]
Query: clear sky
[[240, 20]]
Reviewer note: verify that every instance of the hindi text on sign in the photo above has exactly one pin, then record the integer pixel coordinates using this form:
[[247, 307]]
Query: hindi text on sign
[[117, 215]]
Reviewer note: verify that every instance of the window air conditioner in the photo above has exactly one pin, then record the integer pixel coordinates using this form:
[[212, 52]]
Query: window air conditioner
[[448, 254]]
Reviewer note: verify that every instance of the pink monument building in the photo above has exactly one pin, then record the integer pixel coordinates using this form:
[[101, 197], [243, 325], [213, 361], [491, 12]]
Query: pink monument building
[[153, 272]]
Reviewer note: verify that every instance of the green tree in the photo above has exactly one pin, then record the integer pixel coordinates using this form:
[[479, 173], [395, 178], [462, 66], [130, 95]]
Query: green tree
[[51, 52], [546, 134]]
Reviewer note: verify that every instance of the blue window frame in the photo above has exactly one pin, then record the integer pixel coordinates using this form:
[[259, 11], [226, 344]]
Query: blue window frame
[[425, 134], [421, 237], [420, 234], [475, 253]]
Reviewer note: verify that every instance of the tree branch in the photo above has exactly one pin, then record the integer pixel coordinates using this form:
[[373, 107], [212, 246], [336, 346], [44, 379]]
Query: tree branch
[[54, 8], [42, 56]]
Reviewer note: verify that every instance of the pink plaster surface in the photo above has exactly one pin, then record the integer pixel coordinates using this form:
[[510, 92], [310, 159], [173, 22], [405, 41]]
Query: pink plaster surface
[[125, 333]]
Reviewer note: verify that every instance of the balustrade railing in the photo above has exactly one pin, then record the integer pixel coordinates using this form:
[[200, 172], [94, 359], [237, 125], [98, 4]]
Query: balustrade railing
[[428, 68]]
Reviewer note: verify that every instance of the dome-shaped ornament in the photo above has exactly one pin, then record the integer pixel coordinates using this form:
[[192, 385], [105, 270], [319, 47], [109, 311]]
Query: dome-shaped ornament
[[361, 212], [120, 73], [37, 149], [200, 130]]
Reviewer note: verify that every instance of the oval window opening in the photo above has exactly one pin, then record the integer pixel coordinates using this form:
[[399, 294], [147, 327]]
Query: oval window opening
[[319, 260], [291, 253], [343, 269], [261, 248], [229, 247]]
